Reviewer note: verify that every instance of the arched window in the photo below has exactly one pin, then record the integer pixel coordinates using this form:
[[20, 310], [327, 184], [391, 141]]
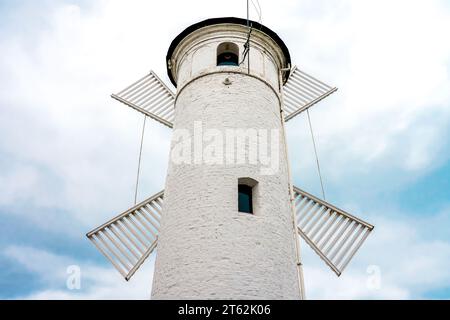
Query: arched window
[[246, 191], [227, 54]]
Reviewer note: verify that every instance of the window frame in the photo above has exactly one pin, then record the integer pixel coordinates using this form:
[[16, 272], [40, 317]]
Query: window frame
[[227, 47]]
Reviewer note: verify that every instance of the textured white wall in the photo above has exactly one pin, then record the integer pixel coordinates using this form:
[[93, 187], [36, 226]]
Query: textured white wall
[[196, 55], [207, 249]]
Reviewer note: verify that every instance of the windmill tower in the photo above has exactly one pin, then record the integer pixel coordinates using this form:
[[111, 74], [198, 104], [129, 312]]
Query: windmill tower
[[227, 223]]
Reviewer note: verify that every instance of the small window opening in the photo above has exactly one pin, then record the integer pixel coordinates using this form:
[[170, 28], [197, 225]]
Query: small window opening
[[227, 54], [245, 199], [246, 190]]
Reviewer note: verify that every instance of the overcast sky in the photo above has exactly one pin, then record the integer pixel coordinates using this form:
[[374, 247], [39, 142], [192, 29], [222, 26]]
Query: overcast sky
[[68, 152]]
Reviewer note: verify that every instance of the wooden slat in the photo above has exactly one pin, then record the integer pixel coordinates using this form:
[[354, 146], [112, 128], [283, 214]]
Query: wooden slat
[[129, 238], [302, 91], [332, 233], [150, 96]]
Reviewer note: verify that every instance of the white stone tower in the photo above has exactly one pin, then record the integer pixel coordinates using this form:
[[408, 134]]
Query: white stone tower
[[207, 248], [227, 225]]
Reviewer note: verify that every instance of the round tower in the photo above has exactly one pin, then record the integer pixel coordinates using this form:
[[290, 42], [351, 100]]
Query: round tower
[[227, 228]]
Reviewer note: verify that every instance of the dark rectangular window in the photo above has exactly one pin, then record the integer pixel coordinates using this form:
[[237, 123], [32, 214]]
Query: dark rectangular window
[[245, 198]]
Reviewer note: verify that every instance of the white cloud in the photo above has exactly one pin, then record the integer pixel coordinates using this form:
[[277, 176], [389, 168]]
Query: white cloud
[[96, 282], [391, 66], [411, 262]]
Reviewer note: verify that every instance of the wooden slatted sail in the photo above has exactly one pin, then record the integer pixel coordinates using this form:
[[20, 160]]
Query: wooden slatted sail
[[150, 96], [303, 91], [332, 233], [128, 239]]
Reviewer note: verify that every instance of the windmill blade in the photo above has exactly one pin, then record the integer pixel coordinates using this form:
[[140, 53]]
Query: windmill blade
[[302, 91], [332, 233], [128, 239], [150, 96]]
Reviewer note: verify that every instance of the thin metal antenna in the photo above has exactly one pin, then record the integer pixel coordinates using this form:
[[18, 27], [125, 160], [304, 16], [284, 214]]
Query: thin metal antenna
[[248, 39], [248, 14], [139, 163], [315, 152], [246, 53]]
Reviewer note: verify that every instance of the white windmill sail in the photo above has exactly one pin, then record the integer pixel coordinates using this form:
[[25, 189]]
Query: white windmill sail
[[303, 91], [150, 96], [128, 239], [332, 233]]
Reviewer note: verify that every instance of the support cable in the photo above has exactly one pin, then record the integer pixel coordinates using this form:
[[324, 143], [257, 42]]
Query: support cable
[[139, 163], [315, 153], [258, 10], [247, 43], [299, 265], [247, 48]]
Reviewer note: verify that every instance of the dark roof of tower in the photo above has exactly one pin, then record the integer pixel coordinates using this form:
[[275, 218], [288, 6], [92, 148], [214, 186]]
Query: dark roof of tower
[[223, 20]]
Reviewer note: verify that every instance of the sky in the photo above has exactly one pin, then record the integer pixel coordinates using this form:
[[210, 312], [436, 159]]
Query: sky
[[68, 152]]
